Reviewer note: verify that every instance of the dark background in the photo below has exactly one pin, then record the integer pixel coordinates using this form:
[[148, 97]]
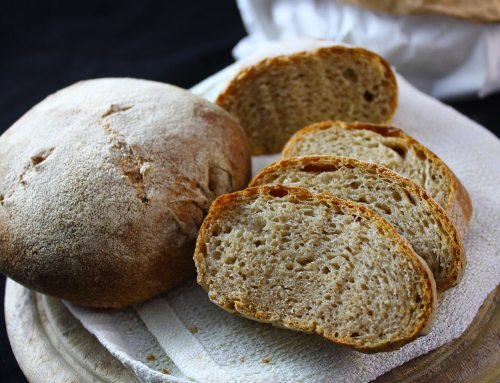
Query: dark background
[[48, 45]]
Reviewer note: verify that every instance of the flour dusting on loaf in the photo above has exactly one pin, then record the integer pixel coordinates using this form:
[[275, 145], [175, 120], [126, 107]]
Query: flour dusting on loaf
[[105, 184]]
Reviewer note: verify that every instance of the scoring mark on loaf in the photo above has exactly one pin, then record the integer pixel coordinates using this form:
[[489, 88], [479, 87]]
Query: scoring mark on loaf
[[114, 108], [40, 157], [32, 165], [133, 166]]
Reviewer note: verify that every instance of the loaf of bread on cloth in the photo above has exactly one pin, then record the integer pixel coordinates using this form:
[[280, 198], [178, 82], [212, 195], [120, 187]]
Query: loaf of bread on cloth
[[315, 263], [105, 184], [485, 11], [404, 204], [392, 148], [294, 83]]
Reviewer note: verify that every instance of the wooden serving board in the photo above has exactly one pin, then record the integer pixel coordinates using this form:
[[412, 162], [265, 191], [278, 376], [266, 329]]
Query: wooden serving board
[[51, 345]]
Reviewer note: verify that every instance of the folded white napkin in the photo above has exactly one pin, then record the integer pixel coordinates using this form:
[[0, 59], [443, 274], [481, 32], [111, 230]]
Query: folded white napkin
[[193, 339], [442, 56]]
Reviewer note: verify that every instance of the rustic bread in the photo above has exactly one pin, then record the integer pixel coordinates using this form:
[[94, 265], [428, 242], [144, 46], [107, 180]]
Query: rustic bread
[[101, 195], [315, 263], [394, 149], [298, 82], [404, 204], [485, 11]]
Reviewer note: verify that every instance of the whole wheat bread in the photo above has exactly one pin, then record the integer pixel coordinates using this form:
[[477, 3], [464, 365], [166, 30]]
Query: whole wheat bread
[[390, 147], [294, 83], [404, 204], [315, 263], [101, 198]]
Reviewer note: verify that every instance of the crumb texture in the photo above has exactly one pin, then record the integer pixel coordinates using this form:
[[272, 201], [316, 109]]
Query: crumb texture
[[314, 263], [401, 202], [394, 151], [278, 96]]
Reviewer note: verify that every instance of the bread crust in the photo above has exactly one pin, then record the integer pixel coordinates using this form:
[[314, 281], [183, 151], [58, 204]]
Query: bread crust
[[224, 203], [459, 204], [294, 51], [458, 255], [481, 11], [101, 196]]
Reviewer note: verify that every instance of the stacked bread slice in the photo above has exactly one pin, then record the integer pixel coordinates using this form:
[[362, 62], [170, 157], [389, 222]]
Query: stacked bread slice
[[405, 205], [315, 263], [349, 237], [393, 149]]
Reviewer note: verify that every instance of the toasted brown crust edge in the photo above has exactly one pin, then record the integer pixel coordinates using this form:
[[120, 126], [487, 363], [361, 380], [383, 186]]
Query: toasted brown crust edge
[[458, 251], [224, 203], [459, 206], [246, 74], [473, 13]]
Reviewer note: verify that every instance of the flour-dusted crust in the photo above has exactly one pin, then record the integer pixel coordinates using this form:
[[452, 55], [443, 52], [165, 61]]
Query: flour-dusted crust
[[483, 11], [404, 204], [242, 268], [104, 185], [451, 194], [293, 83]]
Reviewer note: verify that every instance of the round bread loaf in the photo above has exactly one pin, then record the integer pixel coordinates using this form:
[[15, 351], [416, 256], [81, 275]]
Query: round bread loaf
[[104, 185]]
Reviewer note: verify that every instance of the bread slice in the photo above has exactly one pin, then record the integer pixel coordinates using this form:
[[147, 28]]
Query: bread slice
[[299, 82], [404, 204], [315, 263], [394, 149]]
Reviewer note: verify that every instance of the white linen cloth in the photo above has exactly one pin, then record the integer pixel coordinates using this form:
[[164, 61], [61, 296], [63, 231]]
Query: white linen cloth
[[442, 56], [194, 340]]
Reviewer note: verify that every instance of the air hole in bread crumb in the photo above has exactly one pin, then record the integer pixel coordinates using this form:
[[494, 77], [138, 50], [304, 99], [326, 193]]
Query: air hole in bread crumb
[[230, 260], [421, 155], [398, 149], [335, 265], [410, 198], [361, 199], [355, 184], [350, 75], [278, 193], [384, 207], [368, 96], [354, 334], [319, 168], [305, 261], [396, 196]]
